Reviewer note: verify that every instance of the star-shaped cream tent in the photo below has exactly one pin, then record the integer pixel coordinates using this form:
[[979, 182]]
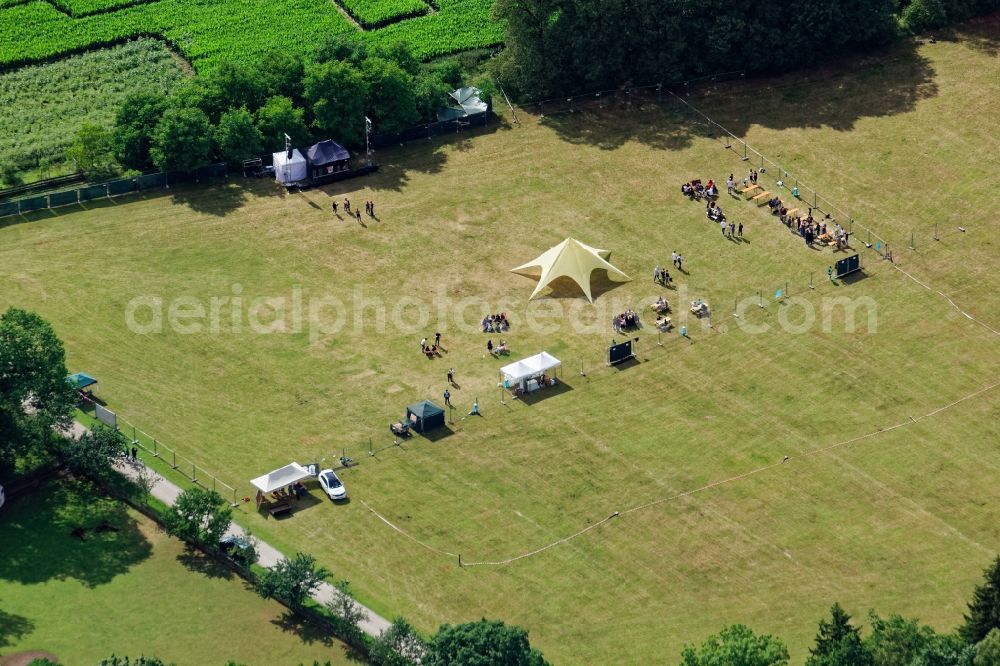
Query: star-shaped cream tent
[[571, 259]]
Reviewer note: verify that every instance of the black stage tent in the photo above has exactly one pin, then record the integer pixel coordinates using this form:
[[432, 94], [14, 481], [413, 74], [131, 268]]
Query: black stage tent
[[424, 416], [327, 157]]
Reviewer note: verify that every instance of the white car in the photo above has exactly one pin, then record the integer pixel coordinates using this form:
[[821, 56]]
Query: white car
[[331, 485]]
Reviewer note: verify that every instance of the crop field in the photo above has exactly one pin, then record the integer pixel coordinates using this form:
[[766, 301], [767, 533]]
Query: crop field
[[240, 30], [42, 106], [131, 590], [889, 418]]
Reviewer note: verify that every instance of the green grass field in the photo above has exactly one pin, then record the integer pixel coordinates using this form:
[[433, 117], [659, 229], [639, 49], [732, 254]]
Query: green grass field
[[898, 521], [43, 106], [131, 592]]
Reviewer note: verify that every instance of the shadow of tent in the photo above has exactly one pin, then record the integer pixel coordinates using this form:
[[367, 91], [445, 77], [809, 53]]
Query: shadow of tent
[[436, 434], [856, 276], [546, 393], [566, 287], [625, 365]]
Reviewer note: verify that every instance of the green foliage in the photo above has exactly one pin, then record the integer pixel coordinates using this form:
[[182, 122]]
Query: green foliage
[[114, 660], [93, 153], [376, 13], [483, 643], [988, 650], [391, 104], [279, 116], [34, 394], [552, 47], [923, 15], [291, 580], [737, 645], [897, 641], [237, 136], [93, 454], [984, 609], [134, 126], [838, 643], [337, 93], [42, 662], [199, 515], [399, 645], [281, 72], [43, 106], [182, 140], [349, 613]]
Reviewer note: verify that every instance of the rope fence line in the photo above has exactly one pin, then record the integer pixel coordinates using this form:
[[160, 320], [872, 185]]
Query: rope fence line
[[948, 298], [715, 484]]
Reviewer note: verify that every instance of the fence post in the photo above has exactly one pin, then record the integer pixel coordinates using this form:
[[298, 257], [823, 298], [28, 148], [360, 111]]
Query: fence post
[[811, 285], [760, 298], [155, 454], [936, 237], [736, 308], [912, 245], [213, 484], [745, 156], [194, 473]]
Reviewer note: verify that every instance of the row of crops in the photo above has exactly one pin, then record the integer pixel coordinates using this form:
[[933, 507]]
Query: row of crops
[[377, 13], [207, 32], [42, 106]]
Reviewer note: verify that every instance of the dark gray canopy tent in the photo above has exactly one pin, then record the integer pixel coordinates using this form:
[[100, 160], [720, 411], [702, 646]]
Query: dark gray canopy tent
[[424, 416], [327, 157]]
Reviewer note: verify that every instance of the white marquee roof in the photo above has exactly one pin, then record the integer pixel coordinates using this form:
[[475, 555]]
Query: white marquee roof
[[281, 477], [529, 367]]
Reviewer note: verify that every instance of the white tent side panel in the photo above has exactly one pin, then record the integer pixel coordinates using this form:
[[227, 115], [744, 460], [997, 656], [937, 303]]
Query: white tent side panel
[[289, 170], [281, 477]]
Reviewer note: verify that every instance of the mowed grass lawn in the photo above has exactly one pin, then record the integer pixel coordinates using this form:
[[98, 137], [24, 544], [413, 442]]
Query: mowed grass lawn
[[132, 591], [899, 522]]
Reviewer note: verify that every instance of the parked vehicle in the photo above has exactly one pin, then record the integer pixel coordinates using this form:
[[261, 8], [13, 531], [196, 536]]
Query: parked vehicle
[[332, 485]]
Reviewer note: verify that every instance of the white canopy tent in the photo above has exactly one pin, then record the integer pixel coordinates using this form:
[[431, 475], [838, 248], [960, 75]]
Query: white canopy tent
[[288, 170], [280, 477], [525, 371]]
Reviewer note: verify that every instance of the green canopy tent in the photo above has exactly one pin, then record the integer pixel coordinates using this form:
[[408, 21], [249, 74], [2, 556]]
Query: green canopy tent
[[81, 381], [424, 416]]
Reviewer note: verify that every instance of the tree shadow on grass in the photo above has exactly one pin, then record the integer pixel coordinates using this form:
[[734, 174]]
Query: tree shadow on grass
[[981, 34], [68, 531], [196, 561], [218, 200], [13, 628], [884, 83], [307, 631]]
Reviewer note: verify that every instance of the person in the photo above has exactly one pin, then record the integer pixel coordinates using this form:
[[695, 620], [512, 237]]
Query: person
[[739, 231], [334, 205], [680, 262], [665, 275], [135, 453], [371, 208], [674, 255], [451, 376], [732, 230], [447, 398], [656, 274], [357, 213], [347, 205], [730, 184], [489, 346], [437, 339], [722, 225], [423, 344]]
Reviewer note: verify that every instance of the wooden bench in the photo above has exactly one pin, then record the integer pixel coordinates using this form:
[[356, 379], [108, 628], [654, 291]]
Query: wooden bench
[[278, 508], [750, 190], [762, 198], [792, 214]]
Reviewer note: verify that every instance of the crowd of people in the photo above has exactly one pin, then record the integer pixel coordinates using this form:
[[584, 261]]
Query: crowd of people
[[624, 321], [495, 323]]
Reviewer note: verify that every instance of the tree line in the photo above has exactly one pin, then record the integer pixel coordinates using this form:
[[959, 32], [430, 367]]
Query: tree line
[[238, 111], [562, 47]]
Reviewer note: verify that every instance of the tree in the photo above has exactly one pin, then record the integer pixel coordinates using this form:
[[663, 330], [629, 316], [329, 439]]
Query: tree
[[93, 152], [199, 515], [350, 614], [988, 650], [182, 140], [399, 645], [278, 117], [337, 92], [34, 393], [923, 15], [94, 454], [896, 641], [281, 72], [137, 661], [984, 609], [291, 580], [134, 126], [237, 136], [838, 643], [483, 643], [391, 102], [737, 645]]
